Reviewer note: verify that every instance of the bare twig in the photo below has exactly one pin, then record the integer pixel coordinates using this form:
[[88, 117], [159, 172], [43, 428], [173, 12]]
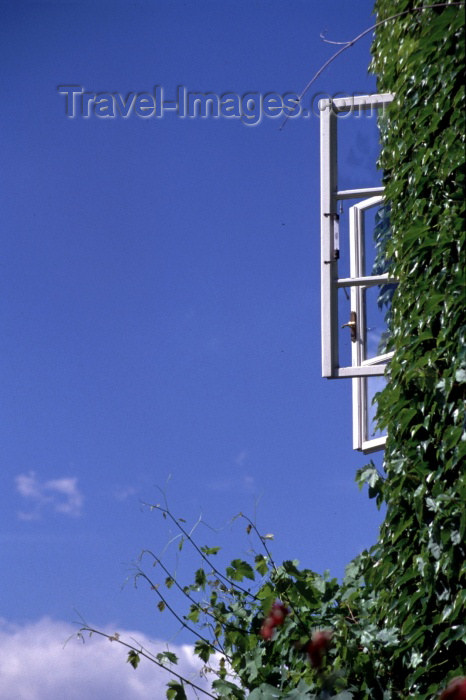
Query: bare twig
[[198, 605], [167, 513], [252, 526], [147, 655], [351, 616], [329, 41], [348, 44], [193, 631]]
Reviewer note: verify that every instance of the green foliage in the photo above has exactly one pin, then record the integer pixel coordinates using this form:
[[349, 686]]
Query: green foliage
[[175, 691], [133, 658], [229, 619], [420, 553]]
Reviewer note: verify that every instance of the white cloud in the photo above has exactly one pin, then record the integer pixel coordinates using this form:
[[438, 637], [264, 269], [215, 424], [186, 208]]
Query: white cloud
[[241, 458], [122, 493], [249, 483], [59, 495], [233, 480], [37, 664]]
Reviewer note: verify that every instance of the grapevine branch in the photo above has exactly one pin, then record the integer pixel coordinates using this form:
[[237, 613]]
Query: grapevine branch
[[166, 513], [143, 575], [146, 654], [252, 526], [198, 605]]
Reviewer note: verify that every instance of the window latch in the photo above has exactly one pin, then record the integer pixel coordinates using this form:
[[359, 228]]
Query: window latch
[[352, 326]]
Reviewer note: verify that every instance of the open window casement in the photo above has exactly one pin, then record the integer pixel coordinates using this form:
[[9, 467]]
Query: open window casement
[[368, 335], [353, 322]]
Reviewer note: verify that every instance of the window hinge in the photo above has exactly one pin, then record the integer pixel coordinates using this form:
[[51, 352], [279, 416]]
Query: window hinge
[[336, 233]]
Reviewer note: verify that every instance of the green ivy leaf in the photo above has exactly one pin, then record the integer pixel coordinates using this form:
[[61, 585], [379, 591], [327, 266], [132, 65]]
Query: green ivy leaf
[[167, 656], [203, 649], [239, 569], [200, 578], [133, 658], [209, 551], [261, 564], [175, 691], [265, 692], [228, 690]]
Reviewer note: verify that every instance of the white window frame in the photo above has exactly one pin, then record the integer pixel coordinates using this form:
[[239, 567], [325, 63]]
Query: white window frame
[[359, 282], [361, 367], [361, 437], [330, 196]]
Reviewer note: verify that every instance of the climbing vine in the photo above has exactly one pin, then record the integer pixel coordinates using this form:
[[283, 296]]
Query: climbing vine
[[420, 552]]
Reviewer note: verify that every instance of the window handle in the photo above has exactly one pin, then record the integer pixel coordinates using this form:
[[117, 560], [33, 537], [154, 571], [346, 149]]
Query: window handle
[[352, 326]]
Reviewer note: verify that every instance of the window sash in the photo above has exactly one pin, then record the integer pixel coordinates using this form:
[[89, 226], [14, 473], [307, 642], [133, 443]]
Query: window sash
[[330, 196], [362, 366], [361, 435]]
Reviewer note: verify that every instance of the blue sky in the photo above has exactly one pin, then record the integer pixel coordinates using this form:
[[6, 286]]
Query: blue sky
[[160, 305]]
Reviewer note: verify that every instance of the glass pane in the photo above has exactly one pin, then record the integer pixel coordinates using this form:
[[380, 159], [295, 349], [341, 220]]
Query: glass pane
[[381, 235], [378, 299], [344, 334], [358, 149], [368, 241], [376, 336], [344, 259], [373, 386]]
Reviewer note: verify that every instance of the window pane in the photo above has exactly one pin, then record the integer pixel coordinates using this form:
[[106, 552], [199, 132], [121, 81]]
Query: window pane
[[368, 240], [357, 162], [373, 386], [376, 336], [345, 346], [344, 251]]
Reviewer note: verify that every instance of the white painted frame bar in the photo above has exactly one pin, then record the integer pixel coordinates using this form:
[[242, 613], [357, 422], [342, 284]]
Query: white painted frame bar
[[329, 264], [357, 102], [330, 196], [372, 281]]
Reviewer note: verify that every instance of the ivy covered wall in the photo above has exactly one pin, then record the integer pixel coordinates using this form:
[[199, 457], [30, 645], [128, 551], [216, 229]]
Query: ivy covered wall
[[420, 553]]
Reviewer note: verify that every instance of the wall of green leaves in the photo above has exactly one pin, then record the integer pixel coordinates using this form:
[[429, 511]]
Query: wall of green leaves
[[420, 554]]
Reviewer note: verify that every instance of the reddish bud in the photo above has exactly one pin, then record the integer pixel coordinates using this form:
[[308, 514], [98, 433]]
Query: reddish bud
[[275, 618], [455, 690], [278, 613], [318, 646], [267, 630]]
